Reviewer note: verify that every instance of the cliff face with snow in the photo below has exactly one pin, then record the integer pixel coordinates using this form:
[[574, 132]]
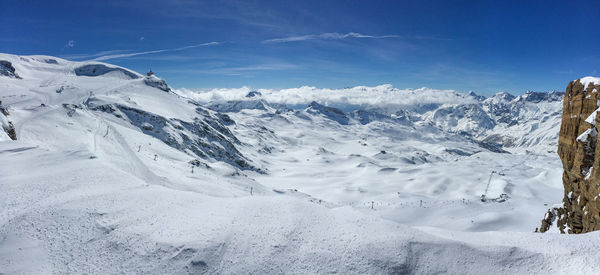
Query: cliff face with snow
[[578, 151]]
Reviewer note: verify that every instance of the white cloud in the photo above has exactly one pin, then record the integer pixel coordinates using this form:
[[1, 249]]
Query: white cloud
[[113, 56], [237, 70], [88, 56], [326, 36], [382, 96], [70, 44], [142, 38]]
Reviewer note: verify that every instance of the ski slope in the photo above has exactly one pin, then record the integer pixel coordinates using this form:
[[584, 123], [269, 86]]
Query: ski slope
[[112, 172]]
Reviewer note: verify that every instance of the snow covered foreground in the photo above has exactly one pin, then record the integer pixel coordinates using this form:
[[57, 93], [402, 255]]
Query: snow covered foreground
[[114, 173]]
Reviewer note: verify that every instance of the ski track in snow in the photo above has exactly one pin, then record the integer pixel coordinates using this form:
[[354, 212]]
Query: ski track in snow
[[91, 193]]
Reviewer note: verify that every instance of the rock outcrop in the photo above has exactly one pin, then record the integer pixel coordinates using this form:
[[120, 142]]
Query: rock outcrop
[[206, 136], [7, 127], [93, 70], [7, 69], [329, 112], [153, 81], [580, 156]]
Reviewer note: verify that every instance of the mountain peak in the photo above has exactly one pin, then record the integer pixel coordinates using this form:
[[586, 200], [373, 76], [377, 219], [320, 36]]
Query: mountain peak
[[537, 97], [504, 96], [253, 94], [329, 112], [476, 96]]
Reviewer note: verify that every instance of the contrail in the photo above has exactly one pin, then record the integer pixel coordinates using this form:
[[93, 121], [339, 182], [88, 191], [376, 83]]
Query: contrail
[[113, 56]]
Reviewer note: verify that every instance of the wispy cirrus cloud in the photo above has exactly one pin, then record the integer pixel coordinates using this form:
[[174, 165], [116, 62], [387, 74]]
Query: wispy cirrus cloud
[[122, 55], [240, 70], [338, 36], [326, 36], [91, 56]]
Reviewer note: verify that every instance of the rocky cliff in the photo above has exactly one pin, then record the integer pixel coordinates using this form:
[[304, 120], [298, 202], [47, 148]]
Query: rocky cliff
[[7, 129], [578, 151]]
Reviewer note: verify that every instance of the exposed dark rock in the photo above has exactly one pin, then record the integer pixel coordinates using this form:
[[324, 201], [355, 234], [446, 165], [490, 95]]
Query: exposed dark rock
[[459, 152], [499, 140], [476, 96], [537, 97], [496, 148], [253, 94], [3, 109], [99, 69], [329, 112], [252, 104], [71, 108], [225, 119], [199, 163], [577, 149], [554, 217], [10, 130], [6, 125], [156, 82], [205, 137], [7, 69], [366, 117]]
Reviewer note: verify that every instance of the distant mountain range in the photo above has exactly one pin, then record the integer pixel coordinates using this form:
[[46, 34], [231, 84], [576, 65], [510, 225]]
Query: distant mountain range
[[515, 123]]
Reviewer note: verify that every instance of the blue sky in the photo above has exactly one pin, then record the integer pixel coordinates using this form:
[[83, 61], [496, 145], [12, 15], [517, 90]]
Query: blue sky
[[483, 46]]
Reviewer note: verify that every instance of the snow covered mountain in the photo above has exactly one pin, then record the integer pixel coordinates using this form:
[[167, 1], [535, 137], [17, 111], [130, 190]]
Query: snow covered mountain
[[113, 171], [528, 122]]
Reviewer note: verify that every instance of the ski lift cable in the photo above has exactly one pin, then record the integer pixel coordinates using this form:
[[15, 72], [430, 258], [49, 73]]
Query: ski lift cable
[[487, 187], [501, 172]]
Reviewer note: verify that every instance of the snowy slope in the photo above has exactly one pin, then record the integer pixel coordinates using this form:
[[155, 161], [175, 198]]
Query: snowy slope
[[112, 172], [408, 168]]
